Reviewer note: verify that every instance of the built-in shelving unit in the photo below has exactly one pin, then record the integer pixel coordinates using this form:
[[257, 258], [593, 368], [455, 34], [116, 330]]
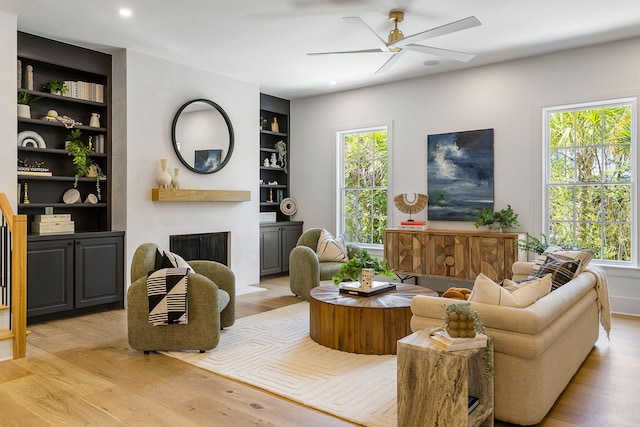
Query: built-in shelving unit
[[280, 235], [83, 271], [273, 108]]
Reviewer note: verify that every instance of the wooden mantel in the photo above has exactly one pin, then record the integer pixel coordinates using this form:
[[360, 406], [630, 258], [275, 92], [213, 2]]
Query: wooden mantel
[[179, 195]]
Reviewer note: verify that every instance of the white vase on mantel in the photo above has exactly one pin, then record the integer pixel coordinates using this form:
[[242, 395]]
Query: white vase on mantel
[[175, 181], [164, 177]]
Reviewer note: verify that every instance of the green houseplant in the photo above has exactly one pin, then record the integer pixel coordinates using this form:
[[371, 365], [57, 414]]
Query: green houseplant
[[25, 100], [354, 266], [504, 219], [82, 163], [56, 87]]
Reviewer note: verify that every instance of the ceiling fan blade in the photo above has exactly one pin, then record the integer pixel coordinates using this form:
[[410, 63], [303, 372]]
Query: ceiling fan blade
[[452, 27], [346, 51], [359, 23], [444, 53], [390, 62]]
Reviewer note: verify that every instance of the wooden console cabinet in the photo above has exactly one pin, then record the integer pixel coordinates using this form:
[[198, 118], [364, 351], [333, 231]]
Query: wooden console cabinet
[[460, 255]]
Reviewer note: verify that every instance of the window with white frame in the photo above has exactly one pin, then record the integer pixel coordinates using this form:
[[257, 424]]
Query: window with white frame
[[590, 178], [362, 184]]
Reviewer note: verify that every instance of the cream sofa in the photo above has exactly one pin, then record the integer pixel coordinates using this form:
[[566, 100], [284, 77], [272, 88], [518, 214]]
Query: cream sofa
[[537, 349]]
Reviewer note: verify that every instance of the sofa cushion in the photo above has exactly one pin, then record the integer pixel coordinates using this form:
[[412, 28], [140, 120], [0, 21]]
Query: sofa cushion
[[331, 249], [545, 284], [541, 259], [561, 268], [583, 255], [517, 295]]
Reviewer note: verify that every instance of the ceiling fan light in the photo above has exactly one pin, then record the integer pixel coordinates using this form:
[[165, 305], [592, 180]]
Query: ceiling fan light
[[395, 35]]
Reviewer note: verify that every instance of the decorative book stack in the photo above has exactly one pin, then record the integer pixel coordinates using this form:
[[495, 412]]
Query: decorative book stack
[[33, 171], [442, 340], [52, 224], [413, 225]]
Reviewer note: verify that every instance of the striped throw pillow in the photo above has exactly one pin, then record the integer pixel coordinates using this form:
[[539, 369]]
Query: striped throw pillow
[[331, 249]]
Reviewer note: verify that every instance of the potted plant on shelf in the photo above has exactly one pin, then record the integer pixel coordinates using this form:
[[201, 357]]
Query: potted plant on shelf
[[504, 219], [25, 101], [82, 163], [56, 87], [353, 268]]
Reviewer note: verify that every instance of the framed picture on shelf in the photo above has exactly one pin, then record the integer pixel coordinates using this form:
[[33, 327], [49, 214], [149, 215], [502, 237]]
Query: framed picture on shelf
[[207, 160]]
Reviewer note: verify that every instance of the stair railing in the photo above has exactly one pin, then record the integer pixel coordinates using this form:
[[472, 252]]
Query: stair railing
[[13, 273]]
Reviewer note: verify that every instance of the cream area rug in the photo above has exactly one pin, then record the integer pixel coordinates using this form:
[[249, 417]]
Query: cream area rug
[[273, 351]]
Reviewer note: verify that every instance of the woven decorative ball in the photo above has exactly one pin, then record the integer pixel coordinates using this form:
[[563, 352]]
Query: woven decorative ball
[[460, 326]]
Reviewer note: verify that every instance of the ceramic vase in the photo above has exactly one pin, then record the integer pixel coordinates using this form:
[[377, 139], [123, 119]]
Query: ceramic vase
[[366, 278], [164, 178], [175, 181], [94, 121]]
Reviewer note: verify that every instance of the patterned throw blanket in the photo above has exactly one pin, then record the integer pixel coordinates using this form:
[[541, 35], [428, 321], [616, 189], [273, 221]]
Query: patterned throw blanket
[[167, 293]]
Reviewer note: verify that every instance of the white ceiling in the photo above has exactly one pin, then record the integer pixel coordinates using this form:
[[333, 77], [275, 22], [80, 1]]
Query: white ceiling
[[266, 41]]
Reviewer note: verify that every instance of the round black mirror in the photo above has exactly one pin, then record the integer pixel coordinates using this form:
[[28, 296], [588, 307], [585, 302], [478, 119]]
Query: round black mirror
[[202, 136]]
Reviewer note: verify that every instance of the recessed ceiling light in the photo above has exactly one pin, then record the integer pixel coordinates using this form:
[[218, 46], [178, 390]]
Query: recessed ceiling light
[[431, 62], [333, 82], [125, 12]]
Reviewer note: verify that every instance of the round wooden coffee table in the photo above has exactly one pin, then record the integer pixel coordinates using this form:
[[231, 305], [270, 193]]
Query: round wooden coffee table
[[365, 325]]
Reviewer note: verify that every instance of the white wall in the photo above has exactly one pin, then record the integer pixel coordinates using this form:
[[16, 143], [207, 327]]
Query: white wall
[[507, 97], [8, 110], [155, 89]]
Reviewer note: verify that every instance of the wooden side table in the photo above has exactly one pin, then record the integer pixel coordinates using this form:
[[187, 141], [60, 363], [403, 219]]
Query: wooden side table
[[434, 384], [365, 325]]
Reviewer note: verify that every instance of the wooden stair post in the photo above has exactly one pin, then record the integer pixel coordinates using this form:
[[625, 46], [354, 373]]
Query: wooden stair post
[[17, 244]]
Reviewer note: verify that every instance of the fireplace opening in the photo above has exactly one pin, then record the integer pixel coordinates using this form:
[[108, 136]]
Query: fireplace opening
[[202, 246]]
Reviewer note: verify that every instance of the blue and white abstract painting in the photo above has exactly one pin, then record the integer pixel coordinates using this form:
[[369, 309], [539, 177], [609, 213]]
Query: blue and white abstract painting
[[459, 174]]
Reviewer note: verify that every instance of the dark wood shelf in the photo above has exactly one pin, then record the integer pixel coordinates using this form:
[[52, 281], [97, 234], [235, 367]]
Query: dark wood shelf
[[268, 150], [57, 178], [271, 169], [42, 122], [273, 186], [40, 94], [55, 151], [268, 132], [61, 205]]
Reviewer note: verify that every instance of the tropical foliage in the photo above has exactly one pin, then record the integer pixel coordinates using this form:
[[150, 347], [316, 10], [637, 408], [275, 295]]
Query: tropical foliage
[[590, 180], [356, 263], [505, 218], [364, 191]]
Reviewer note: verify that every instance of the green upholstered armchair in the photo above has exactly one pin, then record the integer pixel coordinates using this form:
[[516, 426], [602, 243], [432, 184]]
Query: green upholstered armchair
[[305, 271], [210, 299]]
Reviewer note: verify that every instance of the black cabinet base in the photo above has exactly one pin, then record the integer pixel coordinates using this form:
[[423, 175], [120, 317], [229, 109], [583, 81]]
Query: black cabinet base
[[73, 313]]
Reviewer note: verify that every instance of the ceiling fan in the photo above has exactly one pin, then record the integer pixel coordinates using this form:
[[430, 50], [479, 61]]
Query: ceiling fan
[[397, 43]]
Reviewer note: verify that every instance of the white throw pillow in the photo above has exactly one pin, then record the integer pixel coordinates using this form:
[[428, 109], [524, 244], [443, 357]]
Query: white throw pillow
[[545, 284], [331, 249], [521, 295]]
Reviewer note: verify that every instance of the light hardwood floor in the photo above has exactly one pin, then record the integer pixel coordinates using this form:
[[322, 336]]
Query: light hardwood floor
[[81, 371]]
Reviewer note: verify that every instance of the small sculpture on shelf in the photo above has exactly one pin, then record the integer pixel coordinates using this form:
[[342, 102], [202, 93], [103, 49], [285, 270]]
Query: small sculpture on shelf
[[25, 198], [275, 127], [274, 161], [266, 162]]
